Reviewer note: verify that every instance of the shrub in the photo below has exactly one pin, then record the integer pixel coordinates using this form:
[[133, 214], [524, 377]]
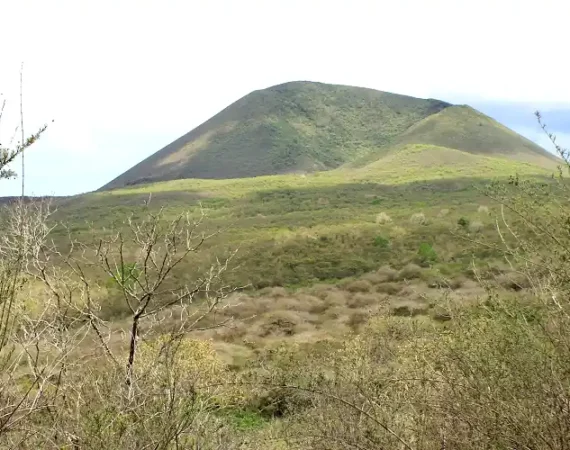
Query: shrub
[[409, 272], [513, 281], [389, 288], [127, 274], [426, 254], [409, 310], [362, 300], [418, 219], [356, 319], [475, 227], [386, 273], [398, 232], [383, 218], [381, 241], [483, 210], [457, 282], [463, 222], [358, 286]]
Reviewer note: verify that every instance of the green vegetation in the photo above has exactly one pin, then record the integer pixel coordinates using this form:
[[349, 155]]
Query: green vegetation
[[294, 230], [426, 254], [308, 127], [416, 302]]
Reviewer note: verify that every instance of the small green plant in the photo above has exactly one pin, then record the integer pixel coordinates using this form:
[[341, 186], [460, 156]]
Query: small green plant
[[381, 242], [426, 254], [463, 222], [126, 275], [244, 420]]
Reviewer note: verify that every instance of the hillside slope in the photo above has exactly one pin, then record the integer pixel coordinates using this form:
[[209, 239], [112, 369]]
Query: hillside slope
[[464, 128], [297, 126], [308, 127], [461, 127]]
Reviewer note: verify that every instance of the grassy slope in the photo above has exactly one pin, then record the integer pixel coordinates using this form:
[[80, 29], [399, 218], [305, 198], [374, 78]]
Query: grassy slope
[[297, 229], [298, 126], [466, 129]]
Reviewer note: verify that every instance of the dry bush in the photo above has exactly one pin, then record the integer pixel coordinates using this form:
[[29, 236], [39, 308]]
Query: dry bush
[[397, 232], [319, 308], [277, 323], [358, 286], [443, 213], [418, 219], [112, 396], [357, 319], [409, 308], [335, 312], [475, 226], [289, 303], [349, 400], [389, 288], [386, 273], [484, 210], [337, 297], [182, 383], [514, 281], [409, 272], [320, 290], [407, 291], [244, 307], [457, 282], [311, 303], [233, 332], [383, 218], [274, 292], [373, 278], [363, 300], [476, 381]]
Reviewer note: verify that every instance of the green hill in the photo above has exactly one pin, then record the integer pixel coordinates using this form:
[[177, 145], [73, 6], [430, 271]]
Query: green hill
[[464, 128], [310, 127], [297, 126]]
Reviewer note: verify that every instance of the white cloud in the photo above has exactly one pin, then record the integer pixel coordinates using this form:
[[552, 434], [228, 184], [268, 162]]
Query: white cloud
[[130, 69]]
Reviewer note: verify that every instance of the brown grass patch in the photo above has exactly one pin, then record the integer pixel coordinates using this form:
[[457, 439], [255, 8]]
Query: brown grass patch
[[362, 300], [358, 286], [386, 273], [410, 272], [389, 288]]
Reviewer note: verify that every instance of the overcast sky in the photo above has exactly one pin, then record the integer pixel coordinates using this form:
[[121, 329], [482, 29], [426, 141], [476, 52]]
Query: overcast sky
[[121, 79]]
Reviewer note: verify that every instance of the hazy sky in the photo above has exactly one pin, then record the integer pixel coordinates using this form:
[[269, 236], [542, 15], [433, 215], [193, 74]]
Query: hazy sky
[[121, 79]]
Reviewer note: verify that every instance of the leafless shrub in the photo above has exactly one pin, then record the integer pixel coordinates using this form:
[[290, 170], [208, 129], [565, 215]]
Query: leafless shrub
[[386, 273], [363, 300], [475, 226], [409, 272], [66, 390], [358, 286], [484, 210], [418, 219], [389, 288], [383, 218]]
